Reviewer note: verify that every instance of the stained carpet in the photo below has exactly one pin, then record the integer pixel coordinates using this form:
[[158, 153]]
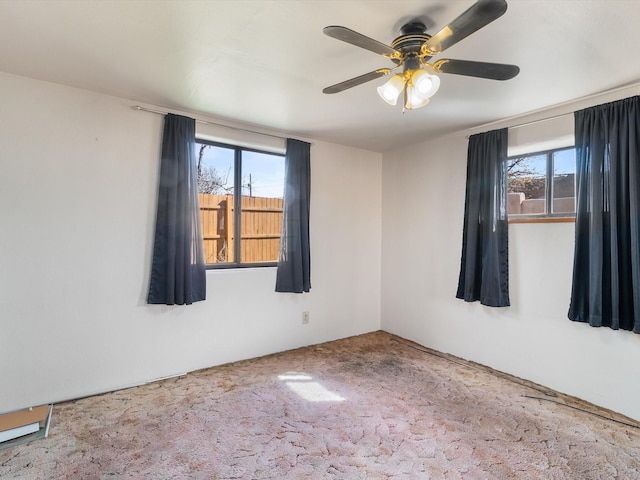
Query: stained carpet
[[368, 407]]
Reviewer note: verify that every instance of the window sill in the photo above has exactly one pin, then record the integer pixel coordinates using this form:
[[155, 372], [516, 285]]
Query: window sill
[[239, 266], [543, 220]]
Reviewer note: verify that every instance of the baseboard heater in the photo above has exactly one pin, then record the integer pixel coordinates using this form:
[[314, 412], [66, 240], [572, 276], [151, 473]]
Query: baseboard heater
[[25, 425]]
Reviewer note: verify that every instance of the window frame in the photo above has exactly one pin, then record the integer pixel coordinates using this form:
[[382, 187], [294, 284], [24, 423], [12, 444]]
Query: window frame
[[547, 217], [237, 205]]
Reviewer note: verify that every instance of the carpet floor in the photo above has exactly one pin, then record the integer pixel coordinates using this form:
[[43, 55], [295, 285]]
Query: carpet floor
[[373, 406]]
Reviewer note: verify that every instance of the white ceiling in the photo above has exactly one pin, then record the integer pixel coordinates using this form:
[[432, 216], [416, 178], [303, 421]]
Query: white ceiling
[[265, 62]]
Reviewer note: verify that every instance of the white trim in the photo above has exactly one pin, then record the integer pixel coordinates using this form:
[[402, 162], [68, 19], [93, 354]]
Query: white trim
[[12, 433]]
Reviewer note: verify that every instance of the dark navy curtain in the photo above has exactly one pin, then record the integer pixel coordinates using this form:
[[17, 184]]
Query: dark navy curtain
[[606, 268], [294, 263], [484, 266], [178, 268]]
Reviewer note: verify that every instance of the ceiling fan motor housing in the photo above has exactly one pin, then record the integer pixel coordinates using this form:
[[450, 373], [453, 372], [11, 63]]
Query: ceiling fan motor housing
[[409, 44]]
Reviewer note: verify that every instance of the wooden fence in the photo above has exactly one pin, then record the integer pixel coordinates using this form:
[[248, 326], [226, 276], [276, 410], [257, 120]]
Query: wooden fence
[[260, 230]]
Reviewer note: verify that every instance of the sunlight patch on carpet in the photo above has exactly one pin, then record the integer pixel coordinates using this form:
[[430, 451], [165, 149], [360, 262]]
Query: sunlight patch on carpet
[[306, 388]]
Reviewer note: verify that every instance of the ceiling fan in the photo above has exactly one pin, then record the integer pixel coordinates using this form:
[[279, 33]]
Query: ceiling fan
[[413, 50]]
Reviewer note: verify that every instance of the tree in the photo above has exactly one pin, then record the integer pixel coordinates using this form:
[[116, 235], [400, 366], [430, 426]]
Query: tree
[[522, 178], [209, 179]]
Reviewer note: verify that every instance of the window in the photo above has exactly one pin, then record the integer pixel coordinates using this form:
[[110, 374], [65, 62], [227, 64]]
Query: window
[[239, 230], [542, 185]]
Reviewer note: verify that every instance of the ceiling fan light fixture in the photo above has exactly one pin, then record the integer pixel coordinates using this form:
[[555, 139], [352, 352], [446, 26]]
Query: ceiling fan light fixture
[[413, 49], [391, 90], [421, 86]]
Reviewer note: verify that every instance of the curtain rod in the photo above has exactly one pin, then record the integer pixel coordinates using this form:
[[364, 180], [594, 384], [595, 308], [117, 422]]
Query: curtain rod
[[144, 109], [532, 122], [581, 99]]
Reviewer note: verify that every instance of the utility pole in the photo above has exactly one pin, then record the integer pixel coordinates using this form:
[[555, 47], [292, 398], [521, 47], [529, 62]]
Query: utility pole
[[250, 185]]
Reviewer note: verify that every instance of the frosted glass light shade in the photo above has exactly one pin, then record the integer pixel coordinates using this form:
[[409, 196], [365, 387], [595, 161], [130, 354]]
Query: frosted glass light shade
[[391, 90], [425, 84], [415, 99]]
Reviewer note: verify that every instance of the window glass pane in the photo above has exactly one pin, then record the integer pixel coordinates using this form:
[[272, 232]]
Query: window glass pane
[[262, 201], [564, 181], [527, 185], [215, 187]]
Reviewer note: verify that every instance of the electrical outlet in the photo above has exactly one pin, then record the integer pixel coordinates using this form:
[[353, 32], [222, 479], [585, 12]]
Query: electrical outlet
[[305, 318]]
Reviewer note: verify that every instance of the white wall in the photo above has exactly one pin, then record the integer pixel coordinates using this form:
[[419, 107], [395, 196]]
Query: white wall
[[77, 204], [422, 215], [77, 200]]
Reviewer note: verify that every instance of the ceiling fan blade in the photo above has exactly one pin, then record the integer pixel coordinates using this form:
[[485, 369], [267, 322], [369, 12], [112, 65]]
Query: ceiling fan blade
[[493, 71], [354, 38], [473, 19], [353, 82]]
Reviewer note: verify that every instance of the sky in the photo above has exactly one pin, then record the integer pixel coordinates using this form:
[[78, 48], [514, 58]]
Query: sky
[[265, 172], [564, 162]]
